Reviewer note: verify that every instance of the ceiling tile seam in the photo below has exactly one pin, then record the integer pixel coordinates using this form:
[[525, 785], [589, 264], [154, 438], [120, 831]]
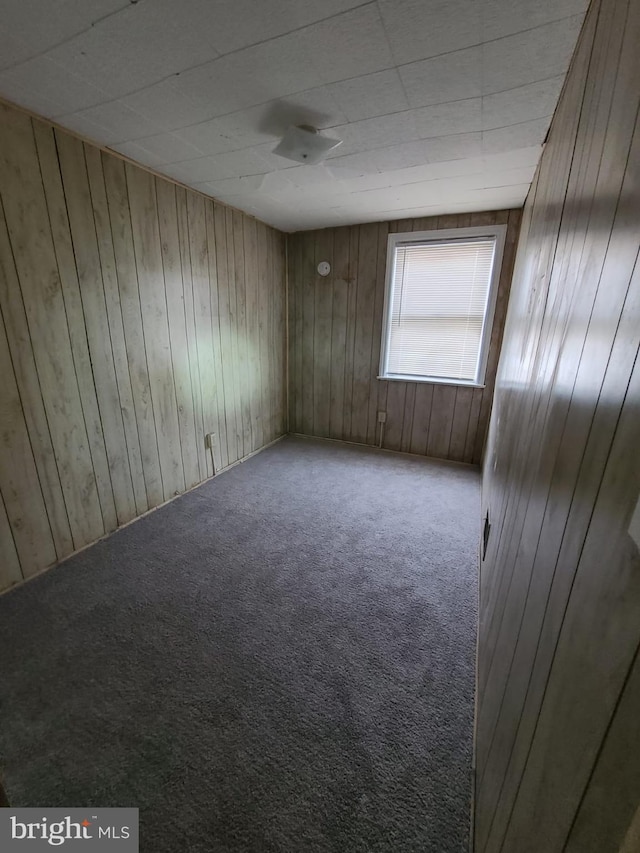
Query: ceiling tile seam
[[137, 139], [176, 74], [480, 43], [337, 158], [425, 106], [384, 30], [237, 50], [515, 124], [483, 29], [291, 32], [389, 45], [326, 86], [217, 53], [245, 47], [497, 187], [213, 180], [389, 218], [373, 189], [402, 86], [213, 59], [292, 95], [43, 53], [80, 80], [328, 127], [431, 181]]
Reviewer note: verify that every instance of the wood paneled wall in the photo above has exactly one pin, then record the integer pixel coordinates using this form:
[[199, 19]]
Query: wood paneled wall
[[335, 331], [136, 317], [558, 731]]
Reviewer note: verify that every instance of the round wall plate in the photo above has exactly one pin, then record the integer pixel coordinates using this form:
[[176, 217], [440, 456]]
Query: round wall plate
[[324, 268]]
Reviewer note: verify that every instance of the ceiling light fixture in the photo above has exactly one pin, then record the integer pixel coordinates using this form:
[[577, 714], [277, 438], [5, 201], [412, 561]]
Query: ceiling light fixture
[[305, 145]]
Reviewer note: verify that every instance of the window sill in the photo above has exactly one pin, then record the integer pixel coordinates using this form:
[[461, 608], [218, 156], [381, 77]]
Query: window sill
[[458, 383]]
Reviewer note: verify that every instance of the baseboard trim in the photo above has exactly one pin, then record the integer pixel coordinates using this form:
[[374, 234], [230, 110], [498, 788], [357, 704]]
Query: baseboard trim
[[219, 473], [387, 450]]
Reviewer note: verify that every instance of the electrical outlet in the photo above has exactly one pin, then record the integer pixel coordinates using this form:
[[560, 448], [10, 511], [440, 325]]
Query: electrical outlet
[[382, 417], [208, 440]]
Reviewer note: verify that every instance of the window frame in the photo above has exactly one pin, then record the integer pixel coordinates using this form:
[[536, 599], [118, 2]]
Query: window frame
[[443, 235]]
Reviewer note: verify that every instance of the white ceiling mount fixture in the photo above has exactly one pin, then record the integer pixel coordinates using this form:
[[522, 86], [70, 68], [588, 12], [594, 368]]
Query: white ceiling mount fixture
[[305, 144]]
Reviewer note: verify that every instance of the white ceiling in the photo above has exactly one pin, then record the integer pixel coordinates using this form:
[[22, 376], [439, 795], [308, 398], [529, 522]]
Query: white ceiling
[[442, 105]]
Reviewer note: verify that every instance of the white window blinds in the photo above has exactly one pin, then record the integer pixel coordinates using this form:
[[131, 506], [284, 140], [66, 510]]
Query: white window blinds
[[437, 306]]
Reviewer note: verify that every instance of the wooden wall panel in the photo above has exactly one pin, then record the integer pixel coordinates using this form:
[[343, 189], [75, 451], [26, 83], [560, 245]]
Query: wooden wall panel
[[266, 344], [121, 230], [277, 263], [45, 304], [10, 572], [176, 317], [322, 333], [190, 326], [135, 317], [26, 374], [201, 295], [241, 331], [21, 492], [233, 331], [335, 329], [100, 397], [560, 586], [254, 372], [116, 329], [155, 326], [226, 333], [611, 803]]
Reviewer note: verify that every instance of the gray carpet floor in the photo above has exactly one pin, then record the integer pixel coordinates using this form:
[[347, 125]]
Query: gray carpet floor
[[281, 660]]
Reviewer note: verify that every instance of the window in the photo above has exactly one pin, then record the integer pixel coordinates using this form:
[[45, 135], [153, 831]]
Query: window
[[439, 303]]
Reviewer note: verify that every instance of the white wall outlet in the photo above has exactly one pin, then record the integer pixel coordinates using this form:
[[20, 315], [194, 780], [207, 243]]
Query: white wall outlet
[[208, 440], [382, 417]]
